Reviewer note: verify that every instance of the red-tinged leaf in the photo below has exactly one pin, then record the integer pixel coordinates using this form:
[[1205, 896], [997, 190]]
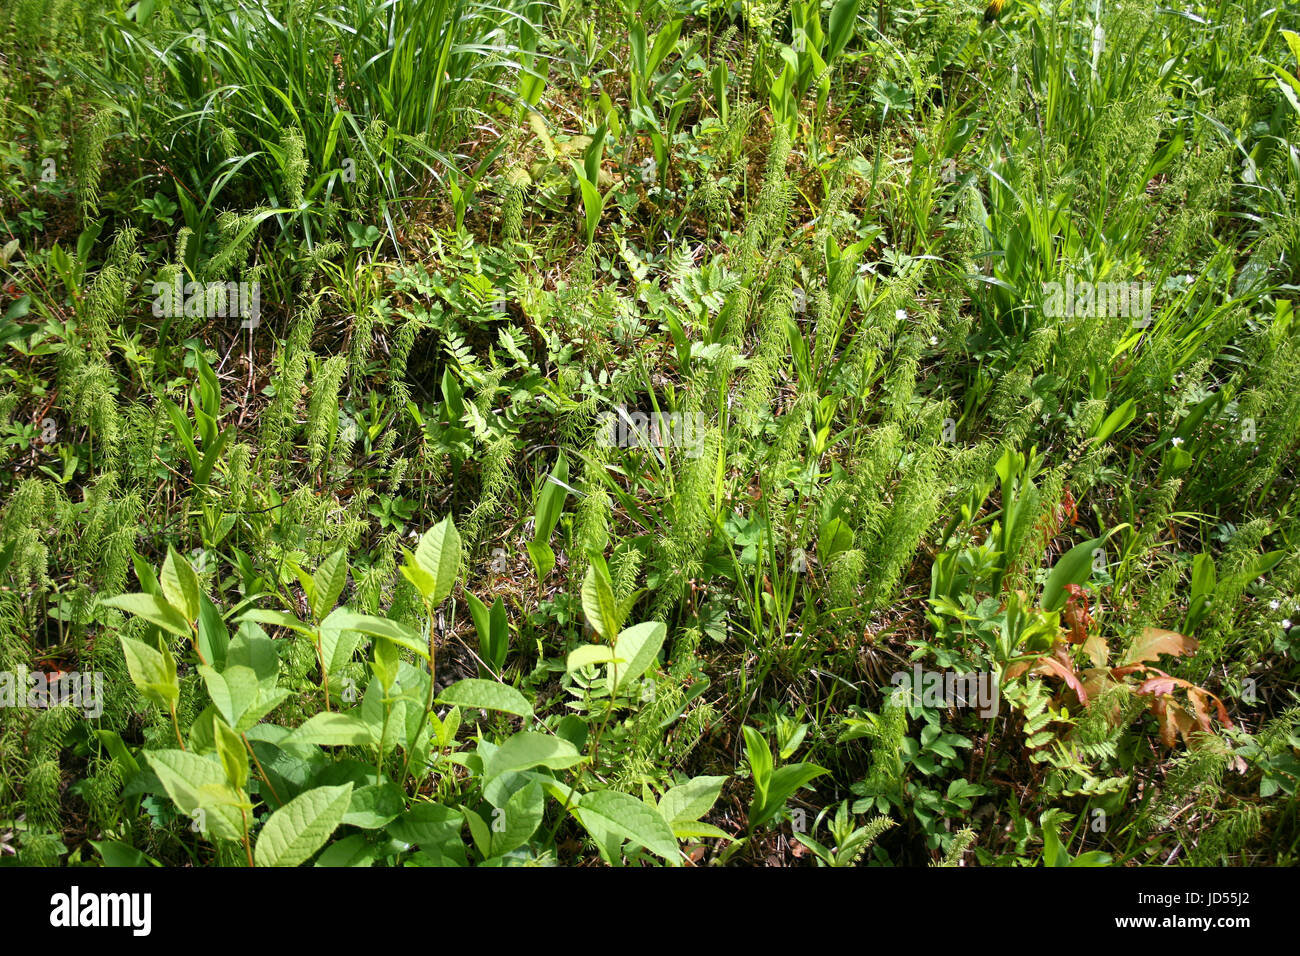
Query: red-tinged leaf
[[1061, 652], [1154, 641], [1198, 695], [1199, 708], [1066, 674], [1118, 672], [1183, 721], [1168, 732], [1015, 670], [1173, 720], [1076, 616], [1161, 686], [1223, 713]]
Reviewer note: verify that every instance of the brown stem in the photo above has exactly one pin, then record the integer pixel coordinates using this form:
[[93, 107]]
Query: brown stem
[[248, 847], [194, 639], [176, 726], [262, 773], [324, 671]]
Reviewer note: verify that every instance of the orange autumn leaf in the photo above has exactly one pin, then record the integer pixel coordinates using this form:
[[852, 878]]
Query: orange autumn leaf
[[1097, 650], [1047, 665], [1173, 721], [1154, 641], [1162, 686], [1076, 616]]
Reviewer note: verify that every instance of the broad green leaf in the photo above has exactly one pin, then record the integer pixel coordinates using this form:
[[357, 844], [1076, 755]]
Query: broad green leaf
[[185, 776], [233, 754], [531, 749], [328, 583], [427, 824], [374, 806], [446, 727], [760, 761], [301, 827], [1289, 85], [372, 712], [632, 819], [182, 773], [486, 695], [117, 749], [373, 626], [695, 830], [690, 801], [202, 736], [636, 45], [266, 702], [221, 798], [542, 556], [116, 853], [233, 690], [663, 45], [1092, 858], [843, 17], [338, 644], [1073, 567], [836, 535], [1053, 853], [332, 729], [1204, 582], [592, 202], [522, 814], [480, 832], [213, 635], [423, 581], [278, 618], [593, 154], [783, 782], [499, 630], [1119, 418], [1293, 42], [1264, 563], [598, 601], [478, 612], [152, 671], [493, 631], [154, 609], [251, 648], [638, 645], [550, 501], [180, 585], [289, 773], [352, 850], [439, 556], [446, 854], [589, 654]]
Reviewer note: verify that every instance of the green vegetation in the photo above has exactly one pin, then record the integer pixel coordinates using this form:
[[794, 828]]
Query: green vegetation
[[447, 433]]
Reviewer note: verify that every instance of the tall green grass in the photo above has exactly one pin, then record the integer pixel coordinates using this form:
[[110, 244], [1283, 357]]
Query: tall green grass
[[313, 107]]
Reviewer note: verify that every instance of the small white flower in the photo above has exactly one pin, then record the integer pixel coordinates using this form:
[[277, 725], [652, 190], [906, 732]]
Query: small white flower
[[1176, 442], [1286, 625], [1274, 605], [900, 315], [934, 340]]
